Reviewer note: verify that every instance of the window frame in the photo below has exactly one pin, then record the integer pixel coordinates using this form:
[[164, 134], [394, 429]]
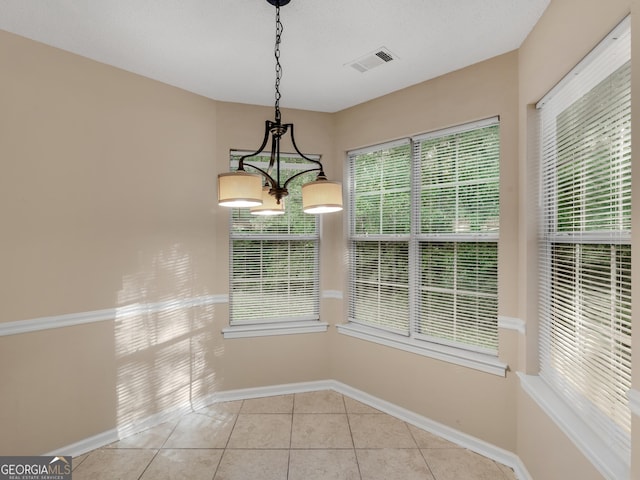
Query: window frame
[[595, 437], [258, 326], [412, 341]]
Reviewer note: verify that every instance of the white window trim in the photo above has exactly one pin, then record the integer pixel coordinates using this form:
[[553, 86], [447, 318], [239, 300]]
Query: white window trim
[[592, 446], [268, 328], [598, 451], [458, 355], [272, 329], [466, 358]]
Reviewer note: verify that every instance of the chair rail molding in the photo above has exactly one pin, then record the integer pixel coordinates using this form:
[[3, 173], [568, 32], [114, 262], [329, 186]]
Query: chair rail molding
[[108, 314]]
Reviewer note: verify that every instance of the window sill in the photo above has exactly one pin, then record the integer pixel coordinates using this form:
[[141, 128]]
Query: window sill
[[271, 329], [592, 446], [477, 361]]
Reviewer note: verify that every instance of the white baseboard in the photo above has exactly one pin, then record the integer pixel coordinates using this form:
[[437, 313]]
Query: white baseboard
[[86, 445], [122, 431], [467, 441], [134, 427], [270, 391]]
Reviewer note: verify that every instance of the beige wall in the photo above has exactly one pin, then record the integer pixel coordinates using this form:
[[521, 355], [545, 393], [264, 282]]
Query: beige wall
[[545, 450], [476, 403], [107, 200], [105, 194]]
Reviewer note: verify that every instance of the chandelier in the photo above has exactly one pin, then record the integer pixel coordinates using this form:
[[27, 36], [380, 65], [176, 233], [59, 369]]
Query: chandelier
[[263, 189]]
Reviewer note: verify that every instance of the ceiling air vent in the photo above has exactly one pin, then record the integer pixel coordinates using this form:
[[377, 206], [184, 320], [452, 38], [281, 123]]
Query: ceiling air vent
[[372, 60]]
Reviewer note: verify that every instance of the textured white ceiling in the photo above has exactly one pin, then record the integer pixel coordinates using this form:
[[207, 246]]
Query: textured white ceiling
[[223, 49]]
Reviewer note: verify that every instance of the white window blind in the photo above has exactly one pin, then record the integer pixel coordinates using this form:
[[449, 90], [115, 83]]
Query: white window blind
[[424, 216], [274, 259], [380, 227], [585, 251], [459, 214]]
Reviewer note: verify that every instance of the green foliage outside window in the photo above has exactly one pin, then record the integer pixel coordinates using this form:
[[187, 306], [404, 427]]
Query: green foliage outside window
[[404, 198]]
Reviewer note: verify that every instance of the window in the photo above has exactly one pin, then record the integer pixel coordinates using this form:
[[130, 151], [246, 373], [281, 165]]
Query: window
[[585, 251], [424, 221], [274, 264]]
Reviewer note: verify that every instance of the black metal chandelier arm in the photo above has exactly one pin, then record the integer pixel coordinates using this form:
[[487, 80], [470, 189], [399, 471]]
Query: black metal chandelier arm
[[293, 142], [265, 174], [267, 132], [316, 169], [274, 184]]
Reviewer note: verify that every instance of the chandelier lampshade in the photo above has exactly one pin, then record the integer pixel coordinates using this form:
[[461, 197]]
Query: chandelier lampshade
[[239, 189], [321, 196]]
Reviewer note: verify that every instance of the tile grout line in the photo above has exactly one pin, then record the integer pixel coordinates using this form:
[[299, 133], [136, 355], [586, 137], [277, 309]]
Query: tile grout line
[[422, 454], [413, 437], [226, 445], [353, 442], [161, 447], [293, 409]]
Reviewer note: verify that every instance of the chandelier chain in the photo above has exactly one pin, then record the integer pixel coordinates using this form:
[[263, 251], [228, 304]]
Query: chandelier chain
[[242, 188], [279, 29]]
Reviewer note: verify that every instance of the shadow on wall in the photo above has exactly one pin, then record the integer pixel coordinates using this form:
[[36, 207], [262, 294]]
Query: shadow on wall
[[165, 341]]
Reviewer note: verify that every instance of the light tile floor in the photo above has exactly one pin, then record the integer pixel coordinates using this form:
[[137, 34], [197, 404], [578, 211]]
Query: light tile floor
[[305, 436]]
